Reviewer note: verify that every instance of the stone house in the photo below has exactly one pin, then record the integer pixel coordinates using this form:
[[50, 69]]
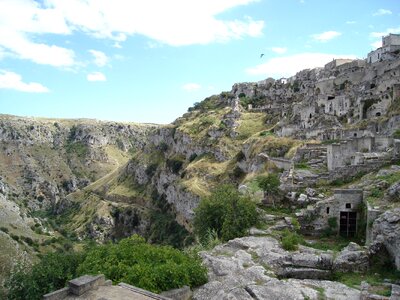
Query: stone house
[[340, 213], [390, 44]]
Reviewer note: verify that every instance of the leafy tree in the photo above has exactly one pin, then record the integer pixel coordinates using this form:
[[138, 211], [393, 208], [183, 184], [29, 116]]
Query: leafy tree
[[154, 268], [226, 212], [269, 184], [50, 274]]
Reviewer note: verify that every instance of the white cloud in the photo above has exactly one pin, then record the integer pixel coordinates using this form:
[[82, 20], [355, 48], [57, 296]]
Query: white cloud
[[351, 22], [20, 19], [326, 36], [174, 22], [384, 33], [13, 81], [382, 12], [96, 76], [288, 66], [100, 58], [279, 50], [376, 44], [191, 87]]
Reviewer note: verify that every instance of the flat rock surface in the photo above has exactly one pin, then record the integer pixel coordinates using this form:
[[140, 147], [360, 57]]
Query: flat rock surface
[[246, 268]]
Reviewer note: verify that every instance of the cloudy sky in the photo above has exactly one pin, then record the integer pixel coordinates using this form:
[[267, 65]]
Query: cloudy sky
[[149, 60]]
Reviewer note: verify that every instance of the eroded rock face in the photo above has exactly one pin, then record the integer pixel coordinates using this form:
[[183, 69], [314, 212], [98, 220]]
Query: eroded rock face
[[246, 268], [386, 231]]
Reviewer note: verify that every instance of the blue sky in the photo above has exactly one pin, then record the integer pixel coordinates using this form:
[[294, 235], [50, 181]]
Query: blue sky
[[149, 60]]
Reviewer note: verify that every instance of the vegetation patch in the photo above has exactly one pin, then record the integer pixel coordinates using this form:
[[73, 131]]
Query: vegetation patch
[[291, 240], [250, 124], [154, 268], [227, 212]]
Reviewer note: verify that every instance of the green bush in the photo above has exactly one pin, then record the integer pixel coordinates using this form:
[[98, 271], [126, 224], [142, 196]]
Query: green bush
[[226, 212], [291, 240], [174, 165], [50, 274], [151, 169], [332, 222], [154, 268], [396, 134]]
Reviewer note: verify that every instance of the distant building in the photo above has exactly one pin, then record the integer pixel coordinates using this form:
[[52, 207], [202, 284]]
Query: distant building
[[390, 44]]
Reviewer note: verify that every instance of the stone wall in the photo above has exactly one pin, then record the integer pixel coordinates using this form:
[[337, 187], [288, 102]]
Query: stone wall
[[343, 153]]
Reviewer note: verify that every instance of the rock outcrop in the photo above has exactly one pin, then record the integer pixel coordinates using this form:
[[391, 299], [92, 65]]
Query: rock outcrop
[[386, 232], [247, 268]]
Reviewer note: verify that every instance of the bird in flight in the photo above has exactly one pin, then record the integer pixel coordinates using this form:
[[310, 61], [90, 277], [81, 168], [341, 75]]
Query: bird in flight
[[262, 54]]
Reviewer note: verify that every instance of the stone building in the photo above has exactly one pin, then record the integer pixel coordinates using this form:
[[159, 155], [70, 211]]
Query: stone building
[[343, 209], [358, 150], [390, 44]]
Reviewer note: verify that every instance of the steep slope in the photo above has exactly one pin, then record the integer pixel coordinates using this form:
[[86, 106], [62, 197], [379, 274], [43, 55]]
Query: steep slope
[[43, 160]]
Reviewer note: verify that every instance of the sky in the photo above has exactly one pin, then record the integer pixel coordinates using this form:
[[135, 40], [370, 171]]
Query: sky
[[147, 61]]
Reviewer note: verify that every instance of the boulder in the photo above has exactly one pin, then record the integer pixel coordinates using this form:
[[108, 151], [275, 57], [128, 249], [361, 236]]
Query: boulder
[[394, 191], [352, 258], [311, 192], [302, 198], [386, 231]]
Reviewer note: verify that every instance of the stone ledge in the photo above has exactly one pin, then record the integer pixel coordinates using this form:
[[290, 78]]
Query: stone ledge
[[57, 295], [143, 292], [80, 285]]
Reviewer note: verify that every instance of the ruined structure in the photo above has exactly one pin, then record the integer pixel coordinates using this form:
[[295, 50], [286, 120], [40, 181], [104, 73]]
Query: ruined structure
[[390, 44]]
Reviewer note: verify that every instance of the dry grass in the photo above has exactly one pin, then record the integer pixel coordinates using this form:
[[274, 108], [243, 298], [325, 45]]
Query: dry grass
[[251, 124]]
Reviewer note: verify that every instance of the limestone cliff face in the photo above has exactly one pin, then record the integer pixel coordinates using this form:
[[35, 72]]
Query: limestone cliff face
[[47, 159]]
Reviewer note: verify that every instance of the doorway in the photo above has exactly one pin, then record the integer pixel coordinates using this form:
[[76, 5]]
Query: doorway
[[348, 223]]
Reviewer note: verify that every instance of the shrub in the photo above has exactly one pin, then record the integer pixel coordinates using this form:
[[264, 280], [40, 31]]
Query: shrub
[[154, 268], [15, 237], [269, 184], [51, 273], [238, 172], [240, 156], [396, 134], [290, 240], [163, 147], [332, 222], [151, 169], [4, 229], [226, 212], [174, 165], [192, 157]]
